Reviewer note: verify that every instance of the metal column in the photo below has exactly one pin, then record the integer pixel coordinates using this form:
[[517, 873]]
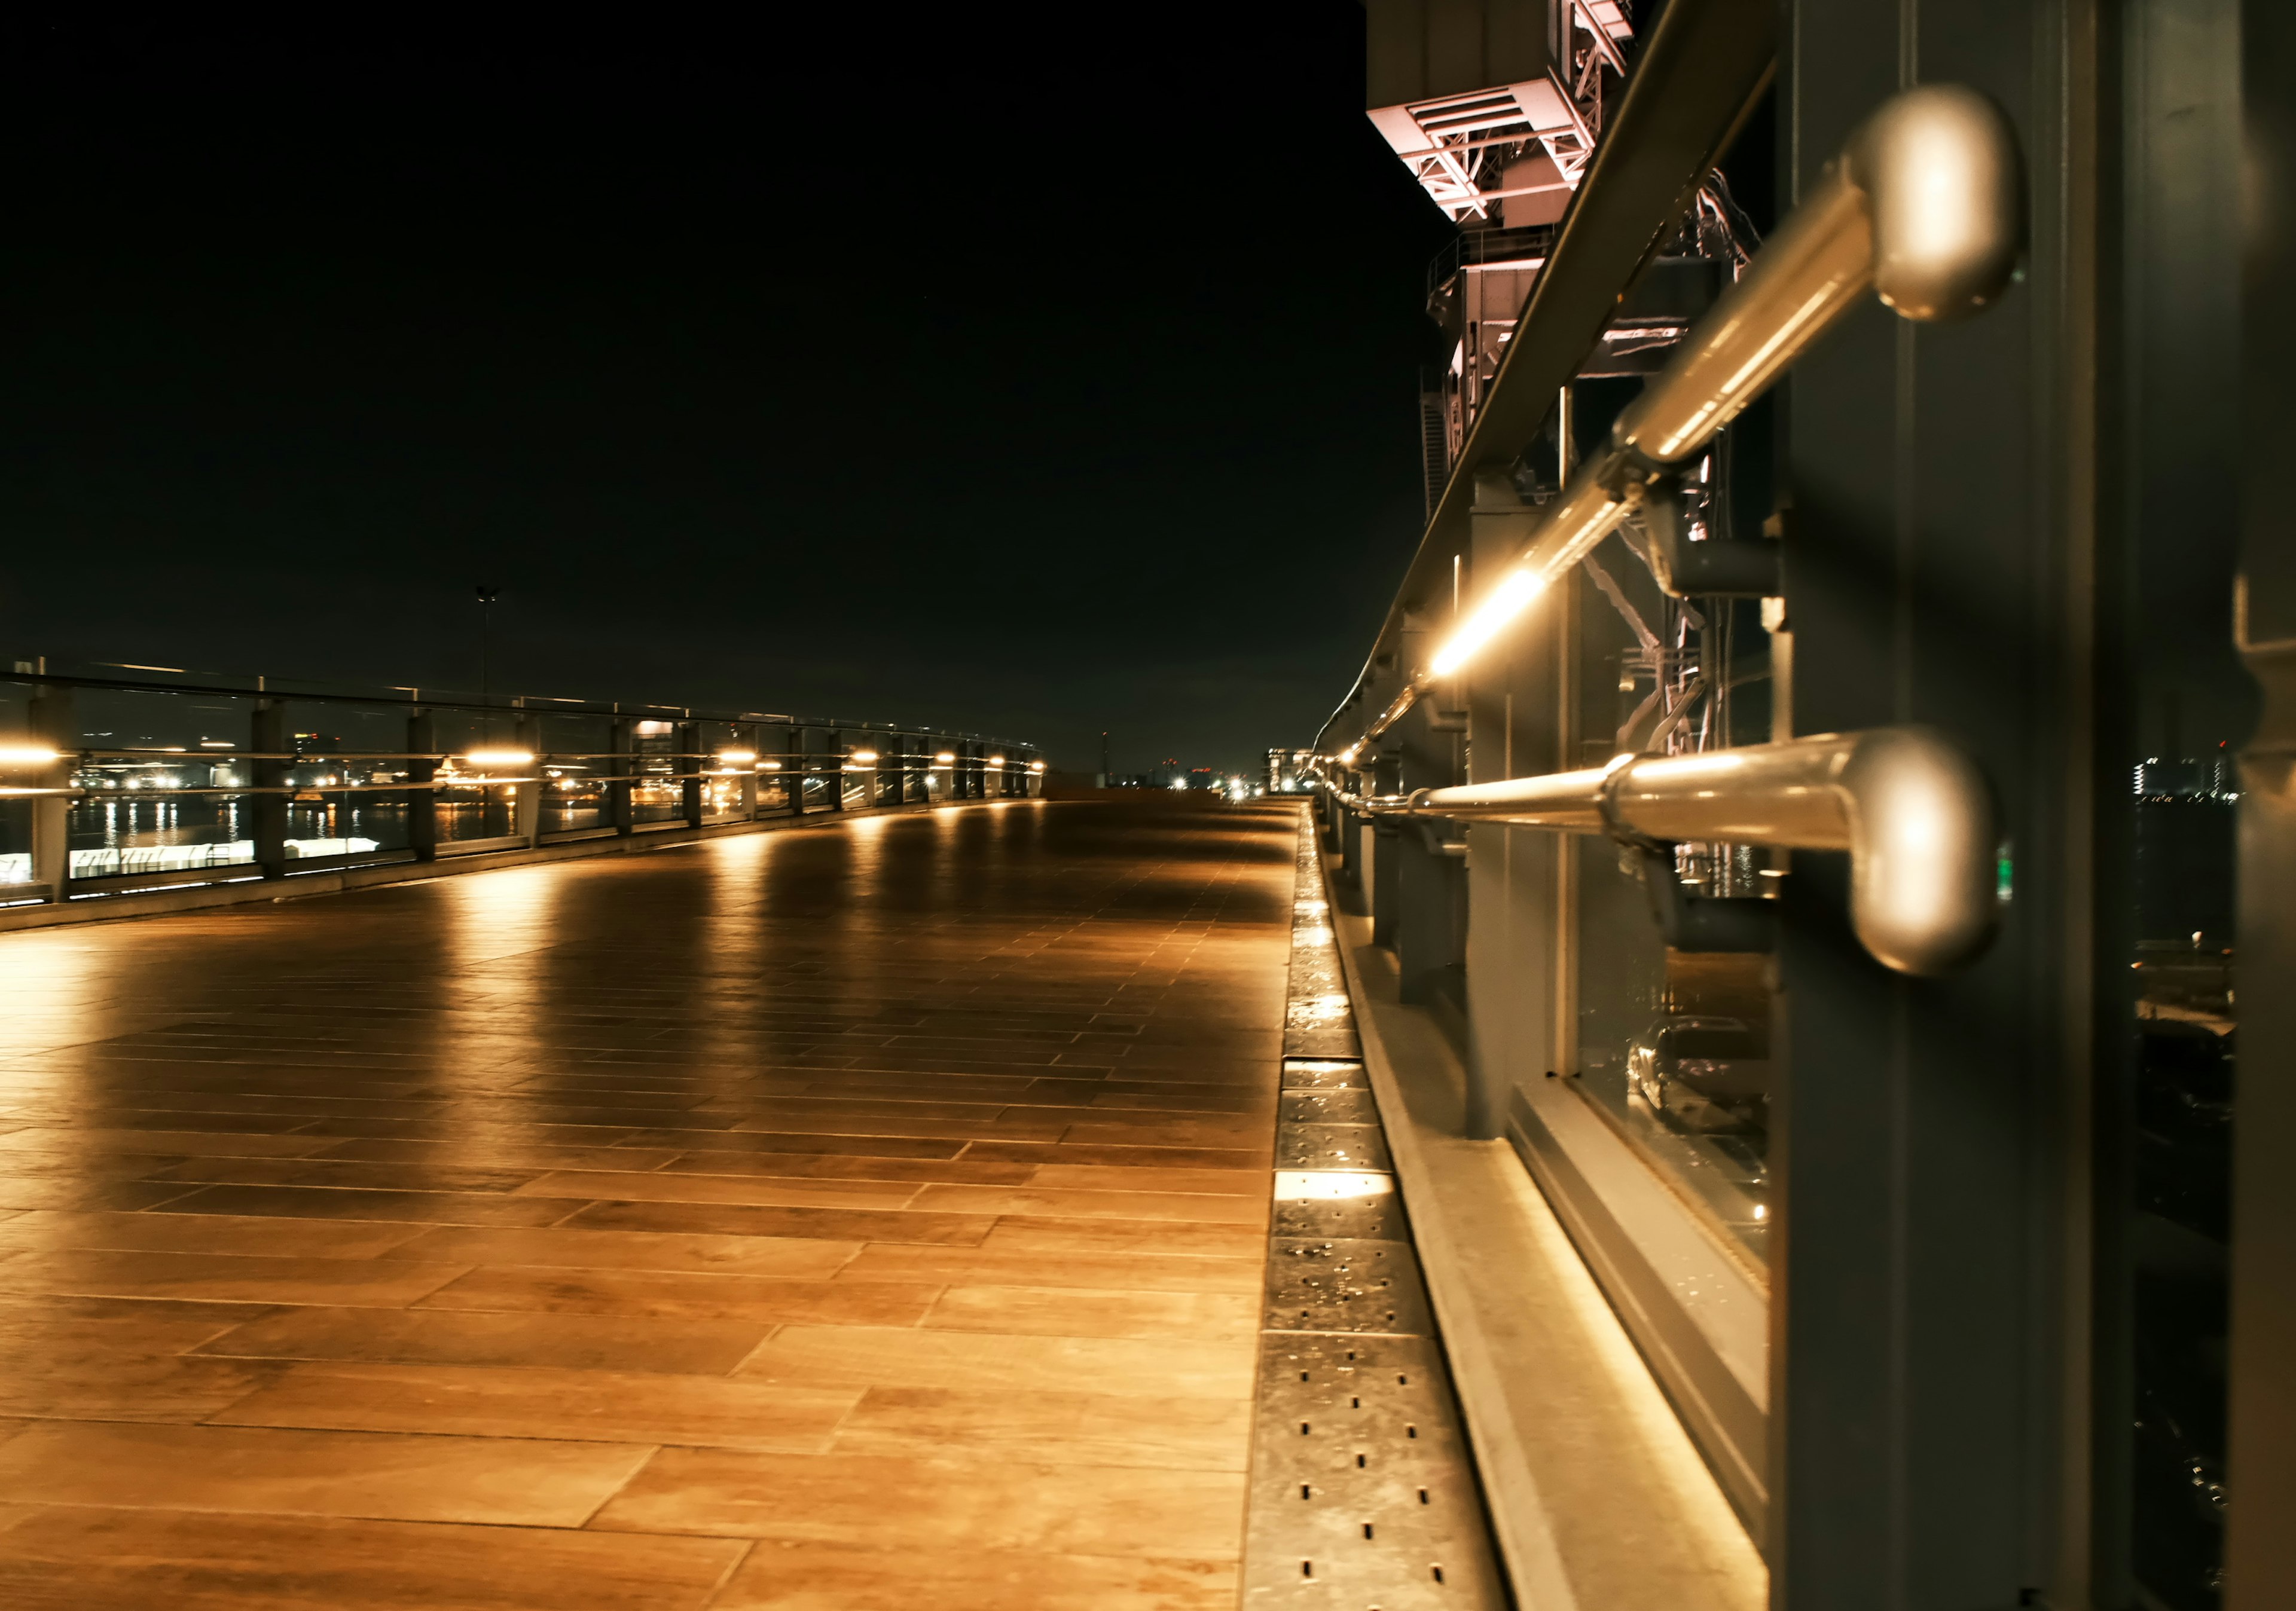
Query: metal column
[[269, 736], [422, 799]]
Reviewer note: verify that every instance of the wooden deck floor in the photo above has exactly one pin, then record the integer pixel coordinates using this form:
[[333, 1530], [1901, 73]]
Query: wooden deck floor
[[862, 1216]]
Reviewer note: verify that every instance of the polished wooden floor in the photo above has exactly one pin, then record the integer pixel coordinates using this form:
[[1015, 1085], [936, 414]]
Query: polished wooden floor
[[861, 1216]]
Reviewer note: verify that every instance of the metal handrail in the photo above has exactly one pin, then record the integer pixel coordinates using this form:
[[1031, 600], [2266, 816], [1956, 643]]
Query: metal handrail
[[1906, 802], [53, 672], [1924, 206], [1697, 76]]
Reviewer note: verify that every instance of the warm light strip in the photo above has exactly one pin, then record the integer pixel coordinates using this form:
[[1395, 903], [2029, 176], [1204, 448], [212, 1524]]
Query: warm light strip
[[27, 755], [1500, 607], [737, 756], [499, 757]]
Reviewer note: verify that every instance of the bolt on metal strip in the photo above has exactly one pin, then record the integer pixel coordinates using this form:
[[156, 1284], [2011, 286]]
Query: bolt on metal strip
[[1362, 1491]]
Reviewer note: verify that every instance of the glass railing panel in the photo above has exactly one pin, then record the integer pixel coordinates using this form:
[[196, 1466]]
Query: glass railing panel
[[2185, 1040], [573, 771], [341, 806], [156, 764], [656, 791], [1673, 1047]]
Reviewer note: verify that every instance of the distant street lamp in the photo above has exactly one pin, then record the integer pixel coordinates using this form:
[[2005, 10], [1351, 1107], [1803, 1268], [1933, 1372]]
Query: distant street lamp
[[487, 597]]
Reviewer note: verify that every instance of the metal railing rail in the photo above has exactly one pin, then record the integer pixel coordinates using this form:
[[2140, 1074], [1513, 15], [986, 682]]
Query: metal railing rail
[[1924, 206], [1908, 805], [1696, 77], [50, 671], [663, 773]]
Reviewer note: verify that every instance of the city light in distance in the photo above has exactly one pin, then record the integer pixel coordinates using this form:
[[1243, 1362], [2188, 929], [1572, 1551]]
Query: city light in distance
[[499, 757], [27, 755]]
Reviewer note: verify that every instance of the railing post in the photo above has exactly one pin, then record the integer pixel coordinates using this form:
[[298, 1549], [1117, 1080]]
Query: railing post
[[622, 743], [687, 736], [836, 769], [422, 799], [755, 743], [267, 736], [54, 724], [525, 807]]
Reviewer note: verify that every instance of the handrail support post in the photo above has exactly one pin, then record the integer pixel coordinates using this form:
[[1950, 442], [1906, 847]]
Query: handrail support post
[[422, 799], [54, 722], [268, 735]]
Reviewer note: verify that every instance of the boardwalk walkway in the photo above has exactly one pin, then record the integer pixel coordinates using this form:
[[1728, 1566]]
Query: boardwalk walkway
[[860, 1217]]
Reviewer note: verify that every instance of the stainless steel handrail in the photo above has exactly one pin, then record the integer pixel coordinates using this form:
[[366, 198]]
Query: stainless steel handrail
[[1924, 206], [1906, 802]]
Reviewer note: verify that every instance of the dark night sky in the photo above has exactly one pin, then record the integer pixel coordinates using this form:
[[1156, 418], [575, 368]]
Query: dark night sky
[[1031, 373]]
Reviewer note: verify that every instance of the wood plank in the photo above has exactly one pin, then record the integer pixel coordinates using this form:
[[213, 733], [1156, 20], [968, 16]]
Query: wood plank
[[232, 1277], [990, 1265], [531, 1401], [260, 1470], [1049, 1428], [828, 1577], [803, 1258], [68, 1558], [665, 1294], [1164, 1367], [941, 1504], [1075, 1312]]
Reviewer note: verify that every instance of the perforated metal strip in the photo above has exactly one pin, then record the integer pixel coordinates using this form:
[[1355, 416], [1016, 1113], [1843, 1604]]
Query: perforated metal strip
[[1363, 1495]]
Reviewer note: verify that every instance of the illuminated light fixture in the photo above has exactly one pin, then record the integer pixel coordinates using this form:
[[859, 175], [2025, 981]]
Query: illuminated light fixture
[[1330, 1186], [996, 760], [945, 757], [27, 755], [1508, 600], [217, 744], [866, 756], [1035, 767], [770, 765], [499, 757], [737, 756]]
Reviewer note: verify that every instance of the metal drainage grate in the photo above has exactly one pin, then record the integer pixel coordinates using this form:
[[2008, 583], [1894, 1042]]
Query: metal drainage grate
[[1363, 1490]]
